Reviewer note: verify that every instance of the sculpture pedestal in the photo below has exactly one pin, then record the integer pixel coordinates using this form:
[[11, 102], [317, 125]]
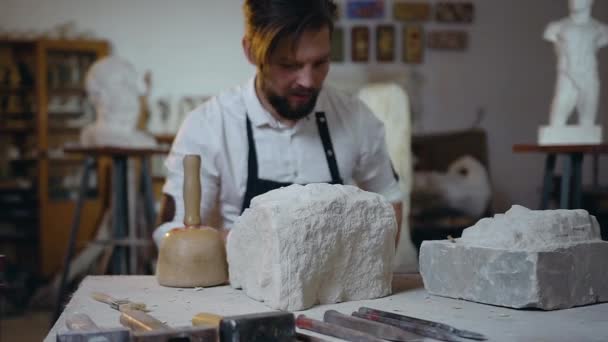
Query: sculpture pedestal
[[570, 135]]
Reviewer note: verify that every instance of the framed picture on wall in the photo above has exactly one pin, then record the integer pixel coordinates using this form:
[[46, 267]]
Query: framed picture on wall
[[455, 12], [337, 45], [360, 44], [385, 43], [413, 44], [365, 9], [411, 11], [448, 40], [339, 13]]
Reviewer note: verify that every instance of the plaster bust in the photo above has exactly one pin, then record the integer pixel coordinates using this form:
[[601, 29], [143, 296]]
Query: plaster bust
[[577, 39], [112, 87]]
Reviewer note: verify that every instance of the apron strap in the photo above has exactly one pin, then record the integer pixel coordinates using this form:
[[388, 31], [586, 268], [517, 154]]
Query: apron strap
[[328, 148], [252, 158]]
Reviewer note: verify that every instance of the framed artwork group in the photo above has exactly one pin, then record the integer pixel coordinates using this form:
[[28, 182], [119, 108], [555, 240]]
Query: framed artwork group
[[405, 34]]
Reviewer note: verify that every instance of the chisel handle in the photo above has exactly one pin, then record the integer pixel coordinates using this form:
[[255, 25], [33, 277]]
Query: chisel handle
[[206, 319], [140, 321], [320, 327], [80, 322]]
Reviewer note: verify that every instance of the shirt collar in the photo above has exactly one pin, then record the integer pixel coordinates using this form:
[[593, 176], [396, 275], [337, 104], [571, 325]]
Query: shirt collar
[[258, 115]]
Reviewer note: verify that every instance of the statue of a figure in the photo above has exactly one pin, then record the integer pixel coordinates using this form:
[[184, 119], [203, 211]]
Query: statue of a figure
[[112, 88], [577, 39]]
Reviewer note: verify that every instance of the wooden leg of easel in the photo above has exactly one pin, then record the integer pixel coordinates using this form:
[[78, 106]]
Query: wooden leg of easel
[[89, 164], [547, 181], [104, 261], [120, 214], [565, 202], [148, 252], [577, 180]]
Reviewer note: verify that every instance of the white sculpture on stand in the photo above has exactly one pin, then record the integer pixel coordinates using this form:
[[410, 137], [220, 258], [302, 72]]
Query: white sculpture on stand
[[577, 39], [112, 87]]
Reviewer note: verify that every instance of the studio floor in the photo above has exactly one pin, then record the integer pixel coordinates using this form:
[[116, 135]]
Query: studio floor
[[30, 326]]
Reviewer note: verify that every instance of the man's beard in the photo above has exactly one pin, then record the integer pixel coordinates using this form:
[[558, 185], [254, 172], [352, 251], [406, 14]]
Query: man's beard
[[284, 109]]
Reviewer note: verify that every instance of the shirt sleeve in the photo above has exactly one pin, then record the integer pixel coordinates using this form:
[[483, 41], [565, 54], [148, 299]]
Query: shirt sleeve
[[374, 171], [197, 135], [551, 32]]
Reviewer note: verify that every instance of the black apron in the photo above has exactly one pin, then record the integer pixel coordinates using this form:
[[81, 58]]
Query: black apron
[[257, 186]]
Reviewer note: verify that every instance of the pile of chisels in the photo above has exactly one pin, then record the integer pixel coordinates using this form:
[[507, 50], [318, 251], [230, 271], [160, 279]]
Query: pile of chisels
[[365, 325]]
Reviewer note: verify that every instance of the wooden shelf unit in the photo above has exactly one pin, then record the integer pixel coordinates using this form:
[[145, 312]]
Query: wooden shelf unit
[[45, 69]]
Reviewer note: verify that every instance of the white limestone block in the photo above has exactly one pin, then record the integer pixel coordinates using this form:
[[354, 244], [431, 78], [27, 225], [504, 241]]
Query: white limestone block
[[299, 246], [570, 135], [551, 259]]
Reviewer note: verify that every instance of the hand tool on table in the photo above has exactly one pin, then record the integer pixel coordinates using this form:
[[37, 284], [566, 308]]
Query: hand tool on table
[[265, 326], [419, 326], [206, 318], [82, 328], [118, 304], [300, 337], [194, 255], [378, 330], [334, 330], [146, 328]]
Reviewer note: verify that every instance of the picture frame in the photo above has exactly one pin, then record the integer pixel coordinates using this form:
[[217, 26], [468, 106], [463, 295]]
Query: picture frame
[[413, 44], [457, 40], [455, 12], [360, 44], [337, 45], [411, 11], [385, 43], [365, 9]]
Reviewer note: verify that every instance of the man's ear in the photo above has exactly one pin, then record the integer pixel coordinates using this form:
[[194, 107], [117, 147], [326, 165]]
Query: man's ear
[[247, 50]]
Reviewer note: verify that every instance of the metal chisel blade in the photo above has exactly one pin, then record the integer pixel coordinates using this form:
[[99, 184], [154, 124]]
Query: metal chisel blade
[[423, 326], [376, 329]]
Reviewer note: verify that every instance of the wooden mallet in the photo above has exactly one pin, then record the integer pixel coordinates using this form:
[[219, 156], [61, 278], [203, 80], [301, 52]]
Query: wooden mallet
[[195, 255]]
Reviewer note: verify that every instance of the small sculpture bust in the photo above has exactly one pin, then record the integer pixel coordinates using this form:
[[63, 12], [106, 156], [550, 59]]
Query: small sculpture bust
[[112, 88], [577, 39]]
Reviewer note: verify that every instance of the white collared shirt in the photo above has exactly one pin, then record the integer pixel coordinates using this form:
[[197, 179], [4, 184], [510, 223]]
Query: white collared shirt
[[217, 132]]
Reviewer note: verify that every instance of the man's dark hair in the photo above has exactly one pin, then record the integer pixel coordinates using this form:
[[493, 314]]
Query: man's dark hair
[[267, 22]]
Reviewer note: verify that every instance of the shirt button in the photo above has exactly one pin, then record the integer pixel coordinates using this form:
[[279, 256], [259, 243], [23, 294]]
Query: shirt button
[[330, 153], [322, 119]]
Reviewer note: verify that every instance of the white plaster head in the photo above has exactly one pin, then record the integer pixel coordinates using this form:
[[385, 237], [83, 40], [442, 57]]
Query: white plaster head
[[112, 87], [579, 5]]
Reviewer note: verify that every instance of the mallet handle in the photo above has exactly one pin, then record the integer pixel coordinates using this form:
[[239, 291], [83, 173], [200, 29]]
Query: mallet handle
[[192, 190]]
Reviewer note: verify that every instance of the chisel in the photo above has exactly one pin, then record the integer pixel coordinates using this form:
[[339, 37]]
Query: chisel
[[378, 330], [334, 330], [419, 326]]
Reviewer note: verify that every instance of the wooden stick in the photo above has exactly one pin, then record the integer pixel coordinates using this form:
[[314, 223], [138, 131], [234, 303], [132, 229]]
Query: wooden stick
[[192, 190]]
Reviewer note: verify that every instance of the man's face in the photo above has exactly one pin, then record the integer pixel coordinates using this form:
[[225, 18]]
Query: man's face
[[292, 79], [579, 5]]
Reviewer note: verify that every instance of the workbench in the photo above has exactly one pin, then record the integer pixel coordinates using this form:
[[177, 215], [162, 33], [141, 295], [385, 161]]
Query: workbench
[[178, 306]]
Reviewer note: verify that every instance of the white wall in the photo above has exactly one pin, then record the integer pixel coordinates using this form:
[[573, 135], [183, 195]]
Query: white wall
[[193, 47]]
